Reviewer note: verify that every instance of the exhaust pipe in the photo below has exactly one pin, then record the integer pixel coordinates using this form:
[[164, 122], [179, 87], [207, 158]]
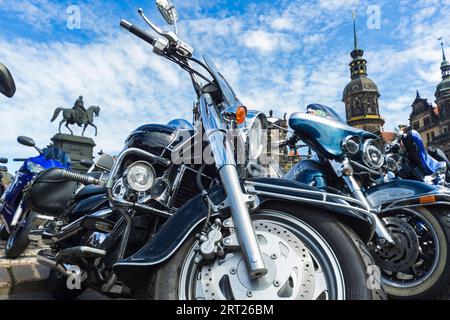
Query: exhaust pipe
[[45, 258]]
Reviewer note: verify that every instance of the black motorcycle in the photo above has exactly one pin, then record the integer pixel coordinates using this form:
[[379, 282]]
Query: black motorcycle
[[187, 219]]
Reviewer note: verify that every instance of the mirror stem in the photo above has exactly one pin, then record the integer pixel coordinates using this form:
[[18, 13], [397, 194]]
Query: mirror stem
[[39, 150]]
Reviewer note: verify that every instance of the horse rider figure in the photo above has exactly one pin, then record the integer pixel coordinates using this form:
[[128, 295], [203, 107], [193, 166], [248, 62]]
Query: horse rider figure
[[80, 111]]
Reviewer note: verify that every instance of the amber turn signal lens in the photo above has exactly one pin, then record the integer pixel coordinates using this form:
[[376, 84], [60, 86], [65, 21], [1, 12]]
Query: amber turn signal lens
[[241, 114], [427, 199]]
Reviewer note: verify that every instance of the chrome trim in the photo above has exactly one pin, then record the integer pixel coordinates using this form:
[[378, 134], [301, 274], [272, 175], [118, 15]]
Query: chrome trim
[[17, 214]]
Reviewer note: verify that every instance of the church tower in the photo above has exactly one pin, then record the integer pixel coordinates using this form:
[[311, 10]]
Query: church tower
[[443, 102], [361, 94]]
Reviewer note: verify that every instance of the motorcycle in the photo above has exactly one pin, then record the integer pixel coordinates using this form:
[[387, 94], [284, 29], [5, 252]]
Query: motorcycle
[[411, 240], [409, 159], [7, 85], [3, 170], [16, 219], [182, 228]]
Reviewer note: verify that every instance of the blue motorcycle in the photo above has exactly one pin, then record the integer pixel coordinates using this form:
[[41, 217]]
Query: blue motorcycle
[[17, 220], [411, 160]]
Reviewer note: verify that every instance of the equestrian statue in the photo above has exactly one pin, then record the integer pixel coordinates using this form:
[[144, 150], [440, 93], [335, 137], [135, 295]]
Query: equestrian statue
[[78, 115]]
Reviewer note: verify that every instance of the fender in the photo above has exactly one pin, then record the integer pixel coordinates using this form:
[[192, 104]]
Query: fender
[[87, 206], [271, 193], [406, 193]]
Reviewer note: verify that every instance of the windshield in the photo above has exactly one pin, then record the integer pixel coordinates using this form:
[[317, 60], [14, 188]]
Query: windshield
[[228, 94]]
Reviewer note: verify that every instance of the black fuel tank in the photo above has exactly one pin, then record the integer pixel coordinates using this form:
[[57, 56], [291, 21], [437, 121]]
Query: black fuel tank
[[153, 138]]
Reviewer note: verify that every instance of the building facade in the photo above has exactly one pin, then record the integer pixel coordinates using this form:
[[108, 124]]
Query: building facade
[[361, 94], [433, 123]]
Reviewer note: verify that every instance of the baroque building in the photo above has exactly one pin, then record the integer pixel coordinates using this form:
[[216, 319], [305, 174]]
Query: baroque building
[[361, 94], [424, 119], [433, 123]]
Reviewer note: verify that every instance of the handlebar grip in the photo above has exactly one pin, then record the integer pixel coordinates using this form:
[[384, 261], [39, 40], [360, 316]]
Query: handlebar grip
[[80, 178], [138, 32]]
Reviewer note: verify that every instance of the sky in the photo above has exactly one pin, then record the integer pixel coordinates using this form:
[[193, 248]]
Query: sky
[[277, 55]]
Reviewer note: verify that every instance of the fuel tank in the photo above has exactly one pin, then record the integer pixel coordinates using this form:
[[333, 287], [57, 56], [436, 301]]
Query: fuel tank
[[158, 139], [309, 172]]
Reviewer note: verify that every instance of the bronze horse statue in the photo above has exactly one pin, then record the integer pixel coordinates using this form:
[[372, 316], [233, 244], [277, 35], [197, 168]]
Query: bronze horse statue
[[71, 117]]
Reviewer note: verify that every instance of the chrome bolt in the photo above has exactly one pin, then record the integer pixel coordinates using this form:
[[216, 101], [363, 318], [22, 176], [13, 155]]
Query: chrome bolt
[[227, 241], [251, 198], [274, 256], [233, 271], [226, 223], [249, 294], [276, 283]]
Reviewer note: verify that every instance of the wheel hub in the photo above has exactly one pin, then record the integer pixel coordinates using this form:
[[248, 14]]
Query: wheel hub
[[404, 253], [290, 270]]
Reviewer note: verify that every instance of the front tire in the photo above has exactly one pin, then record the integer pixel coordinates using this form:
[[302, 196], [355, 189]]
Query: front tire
[[57, 283], [18, 240], [339, 272], [428, 275]]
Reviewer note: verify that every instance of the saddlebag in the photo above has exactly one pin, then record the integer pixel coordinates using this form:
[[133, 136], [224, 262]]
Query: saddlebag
[[50, 192]]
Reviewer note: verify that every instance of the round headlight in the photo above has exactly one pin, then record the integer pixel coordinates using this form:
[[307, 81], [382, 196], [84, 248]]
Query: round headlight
[[372, 154], [392, 162], [256, 141], [140, 176], [350, 145]]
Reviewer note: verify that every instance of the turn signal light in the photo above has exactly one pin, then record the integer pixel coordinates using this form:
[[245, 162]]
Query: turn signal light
[[427, 199], [241, 114]]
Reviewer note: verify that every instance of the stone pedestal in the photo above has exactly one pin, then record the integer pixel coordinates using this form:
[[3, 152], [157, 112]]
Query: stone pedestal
[[77, 147]]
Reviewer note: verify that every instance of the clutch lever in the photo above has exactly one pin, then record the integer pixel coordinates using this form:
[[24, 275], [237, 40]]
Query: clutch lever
[[172, 37]]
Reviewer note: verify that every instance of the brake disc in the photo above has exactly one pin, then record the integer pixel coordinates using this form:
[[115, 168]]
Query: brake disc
[[290, 270], [404, 253]]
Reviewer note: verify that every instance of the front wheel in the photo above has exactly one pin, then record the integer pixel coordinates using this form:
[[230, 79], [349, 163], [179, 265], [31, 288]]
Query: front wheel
[[307, 259], [18, 241], [418, 266]]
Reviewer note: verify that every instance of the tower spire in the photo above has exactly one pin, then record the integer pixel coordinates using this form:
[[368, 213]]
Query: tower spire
[[443, 51], [355, 35], [445, 65]]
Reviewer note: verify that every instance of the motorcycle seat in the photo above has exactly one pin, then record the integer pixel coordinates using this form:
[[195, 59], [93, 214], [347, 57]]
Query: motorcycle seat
[[89, 191]]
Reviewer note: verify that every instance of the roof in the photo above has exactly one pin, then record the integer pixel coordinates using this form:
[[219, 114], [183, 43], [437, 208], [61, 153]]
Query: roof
[[388, 136], [362, 84]]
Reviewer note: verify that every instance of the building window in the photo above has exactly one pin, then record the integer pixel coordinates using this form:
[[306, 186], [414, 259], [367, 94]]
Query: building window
[[426, 121], [432, 136], [416, 125], [428, 138]]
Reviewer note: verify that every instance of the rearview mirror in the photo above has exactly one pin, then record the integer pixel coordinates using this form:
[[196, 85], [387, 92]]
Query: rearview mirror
[[168, 11], [105, 162], [26, 141], [7, 85], [87, 163], [3, 169], [3, 160]]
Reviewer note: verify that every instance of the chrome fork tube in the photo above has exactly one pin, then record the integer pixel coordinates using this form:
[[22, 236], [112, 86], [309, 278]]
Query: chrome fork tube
[[225, 163], [380, 229]]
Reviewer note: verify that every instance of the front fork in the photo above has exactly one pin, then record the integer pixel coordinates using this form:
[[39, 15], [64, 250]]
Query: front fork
[[236, 199], [383, 234]]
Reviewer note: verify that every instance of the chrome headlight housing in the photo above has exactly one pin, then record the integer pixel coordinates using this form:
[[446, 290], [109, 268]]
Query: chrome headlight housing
[[34, 167], [372, 155], [256, 138], [140, 176], [350, 145], [393, 162]]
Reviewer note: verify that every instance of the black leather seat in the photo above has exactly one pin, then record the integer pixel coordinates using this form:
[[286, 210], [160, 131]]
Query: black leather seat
[[88, 192]]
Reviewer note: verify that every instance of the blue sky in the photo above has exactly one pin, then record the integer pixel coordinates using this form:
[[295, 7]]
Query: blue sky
[[279, 55]]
